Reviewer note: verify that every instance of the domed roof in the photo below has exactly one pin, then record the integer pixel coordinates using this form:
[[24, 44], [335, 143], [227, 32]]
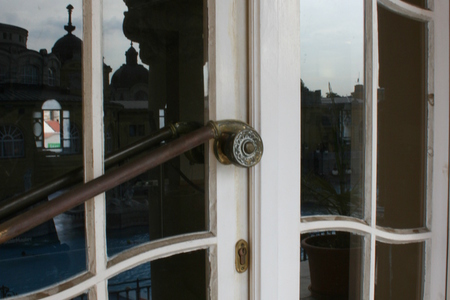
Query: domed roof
[[130, 73], [69, 46]]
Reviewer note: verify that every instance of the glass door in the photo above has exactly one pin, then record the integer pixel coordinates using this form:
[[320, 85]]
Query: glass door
[[133, 68], [372, 100]]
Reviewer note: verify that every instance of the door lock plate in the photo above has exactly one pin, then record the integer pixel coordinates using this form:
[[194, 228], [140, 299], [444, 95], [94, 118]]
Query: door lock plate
[[242, 256]]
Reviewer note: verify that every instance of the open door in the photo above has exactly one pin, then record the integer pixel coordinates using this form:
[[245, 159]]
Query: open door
[[178, 231]]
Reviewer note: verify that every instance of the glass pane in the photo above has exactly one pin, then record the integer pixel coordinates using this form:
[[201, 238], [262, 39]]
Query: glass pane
[[419, 3], [402, 121], [332, 93], [399, 271], [40, 77], [183, 276], [331, 265], [82, 297], [154, 58]]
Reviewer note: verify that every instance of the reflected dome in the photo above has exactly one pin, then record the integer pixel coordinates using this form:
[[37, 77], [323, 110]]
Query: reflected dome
[[131, 73], [69, 46]]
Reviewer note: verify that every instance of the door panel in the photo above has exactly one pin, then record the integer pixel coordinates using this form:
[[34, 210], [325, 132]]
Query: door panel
[[192, 67], [405, 197]]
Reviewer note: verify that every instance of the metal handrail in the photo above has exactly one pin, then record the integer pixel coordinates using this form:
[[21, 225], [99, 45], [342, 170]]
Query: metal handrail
[[235, 142], [14, 205]]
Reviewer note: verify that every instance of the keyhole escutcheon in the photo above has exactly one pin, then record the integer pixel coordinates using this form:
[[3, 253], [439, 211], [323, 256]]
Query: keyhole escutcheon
[[242, 254]]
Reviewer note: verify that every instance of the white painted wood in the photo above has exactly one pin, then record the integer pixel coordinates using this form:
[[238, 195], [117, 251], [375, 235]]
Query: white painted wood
[[275, 73], [371, 65], [230, 84], [255, 173], [93, 140], [437, 283]]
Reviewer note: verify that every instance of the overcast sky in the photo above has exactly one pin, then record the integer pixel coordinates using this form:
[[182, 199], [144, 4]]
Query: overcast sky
[[331, 36], [332, 44], [45, 20]]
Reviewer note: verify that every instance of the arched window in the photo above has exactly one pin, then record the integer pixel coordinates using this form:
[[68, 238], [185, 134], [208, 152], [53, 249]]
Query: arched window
[[29, 74], [53, 130], [11, 142], [51, 77]]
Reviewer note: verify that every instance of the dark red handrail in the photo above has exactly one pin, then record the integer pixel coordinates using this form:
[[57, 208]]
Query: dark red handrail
[[78, 195], [22, 201], [235, 143]]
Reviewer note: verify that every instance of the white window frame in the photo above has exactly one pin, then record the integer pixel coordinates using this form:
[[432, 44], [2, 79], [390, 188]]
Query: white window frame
[[435, 234], [100, 267], [274, 48]]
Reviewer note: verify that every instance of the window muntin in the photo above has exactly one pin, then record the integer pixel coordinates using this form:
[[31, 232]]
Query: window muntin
[[12, 143], [419, 75]]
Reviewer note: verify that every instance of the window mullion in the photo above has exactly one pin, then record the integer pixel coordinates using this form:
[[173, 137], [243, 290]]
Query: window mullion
[[370, 195], [93, 139]]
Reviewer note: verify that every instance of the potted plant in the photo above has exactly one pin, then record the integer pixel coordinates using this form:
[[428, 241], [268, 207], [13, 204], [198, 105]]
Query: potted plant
[[334, 259]]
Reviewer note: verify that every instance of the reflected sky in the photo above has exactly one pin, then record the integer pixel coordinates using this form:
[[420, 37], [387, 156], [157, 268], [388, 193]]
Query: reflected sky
[[332, 44], [45, 20]]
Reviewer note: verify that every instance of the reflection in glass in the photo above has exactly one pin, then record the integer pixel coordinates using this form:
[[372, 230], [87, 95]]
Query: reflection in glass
[[40, 136], [402, 125], [82, 297], [183, 276], [332, 107], [399, 271], [155, 58], [331, 265]]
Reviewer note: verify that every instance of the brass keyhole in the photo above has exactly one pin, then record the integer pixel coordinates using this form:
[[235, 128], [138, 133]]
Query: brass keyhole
[[242, 256], [242, 253]]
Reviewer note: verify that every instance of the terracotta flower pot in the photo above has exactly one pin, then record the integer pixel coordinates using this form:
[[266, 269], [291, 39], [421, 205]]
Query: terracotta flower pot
[[335, 272]]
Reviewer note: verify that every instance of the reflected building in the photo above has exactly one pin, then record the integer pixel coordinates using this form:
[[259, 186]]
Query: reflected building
[[129, 90], [331, 124], [41, 108], [40, 98]]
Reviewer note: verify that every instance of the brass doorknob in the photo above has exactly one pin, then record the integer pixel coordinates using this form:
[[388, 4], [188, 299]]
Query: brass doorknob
[[237, 143]]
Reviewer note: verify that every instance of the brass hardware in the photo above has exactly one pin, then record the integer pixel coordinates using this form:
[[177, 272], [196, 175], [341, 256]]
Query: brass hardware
[[237, 143], [242, 256]]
